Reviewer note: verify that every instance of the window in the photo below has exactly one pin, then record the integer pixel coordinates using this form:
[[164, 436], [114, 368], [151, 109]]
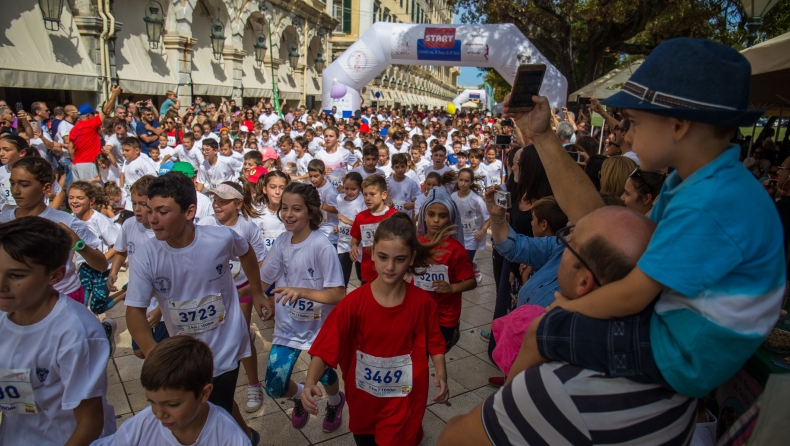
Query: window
[[401, 4], [412, 10], [386, 15], [376, 11], [341, 11], [337, 14], [419, 14], [347, 16]]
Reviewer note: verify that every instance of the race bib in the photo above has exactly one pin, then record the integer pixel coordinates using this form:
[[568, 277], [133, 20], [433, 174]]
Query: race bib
[[469, 225], [235, 268], [398, 205], [269, 237], [171, 141], [343, 233], [16, 392], [325, 216], [336, 181], [6, 196], [384, 377], [496, 180], [197, 315], [368, 231], [304, 310], [433, 273]]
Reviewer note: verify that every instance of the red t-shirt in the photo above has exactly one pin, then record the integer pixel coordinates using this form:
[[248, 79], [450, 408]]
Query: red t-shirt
[[174, 137], [454, 256], [86, 140], [369, 273], [360, 324]]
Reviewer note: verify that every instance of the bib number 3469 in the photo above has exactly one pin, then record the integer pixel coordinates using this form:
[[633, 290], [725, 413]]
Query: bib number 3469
[[384, 377]]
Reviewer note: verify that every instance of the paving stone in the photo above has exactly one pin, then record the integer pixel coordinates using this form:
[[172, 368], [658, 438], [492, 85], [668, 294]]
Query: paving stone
[[135, 394], [459, 405], [116, 397], [432, 427], [276, 430], [476, 316], [471, 341], [129, 367], [471, 372]]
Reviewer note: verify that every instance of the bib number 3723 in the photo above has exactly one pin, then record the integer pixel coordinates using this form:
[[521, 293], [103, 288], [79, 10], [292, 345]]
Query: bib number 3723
[[16, 392], [384, 377], [197, 315]]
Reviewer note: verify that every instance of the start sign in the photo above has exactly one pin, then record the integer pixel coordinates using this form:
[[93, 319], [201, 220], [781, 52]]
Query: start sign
[[439, 37]]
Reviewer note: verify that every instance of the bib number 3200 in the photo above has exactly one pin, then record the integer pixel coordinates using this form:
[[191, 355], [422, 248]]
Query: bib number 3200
[[384, 377]]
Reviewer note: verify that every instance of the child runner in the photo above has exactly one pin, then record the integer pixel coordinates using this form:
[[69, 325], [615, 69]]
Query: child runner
[[230, 199], [309, 280], [374, 193], [380, 336], [187, 152], [82, 197], [401, 189], [335, 158], [481, 177], [133, 234], [176, 377], [213, 170], [432, 180], [53, 368], [370, 157], [328, 194], [452, 273], [349, 204], [136, 166], [12, 149], [438, 157], [384, 161], [494, 166], [269, 191], [187, 268], [303, 158], [474, 214], [107, 168]]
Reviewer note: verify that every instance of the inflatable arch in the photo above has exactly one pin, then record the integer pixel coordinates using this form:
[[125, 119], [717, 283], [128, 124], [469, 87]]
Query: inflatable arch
[[468, 95], [502, 47]]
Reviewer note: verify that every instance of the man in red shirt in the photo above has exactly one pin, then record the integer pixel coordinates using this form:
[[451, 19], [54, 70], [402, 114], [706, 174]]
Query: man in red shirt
[[374, 191], [85, 138]]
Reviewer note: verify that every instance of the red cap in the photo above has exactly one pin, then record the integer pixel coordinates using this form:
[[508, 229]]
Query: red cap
[[255, 173]]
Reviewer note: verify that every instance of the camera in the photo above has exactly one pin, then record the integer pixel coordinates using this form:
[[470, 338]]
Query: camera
[[502, 199], [502, 140]]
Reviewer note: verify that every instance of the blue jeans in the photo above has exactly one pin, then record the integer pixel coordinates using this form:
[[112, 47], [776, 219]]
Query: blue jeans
[[281, 364]]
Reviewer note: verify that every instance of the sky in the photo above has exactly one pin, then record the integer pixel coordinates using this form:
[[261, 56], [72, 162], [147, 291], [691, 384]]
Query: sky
[[468, 74]]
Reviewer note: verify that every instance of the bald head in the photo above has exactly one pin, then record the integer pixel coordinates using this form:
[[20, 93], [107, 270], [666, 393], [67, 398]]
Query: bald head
[[610, 240]]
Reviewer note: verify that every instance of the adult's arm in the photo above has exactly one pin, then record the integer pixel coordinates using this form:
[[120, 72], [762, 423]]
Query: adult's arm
[[465, 430], [574, 191], [596, 106], [108, 106]]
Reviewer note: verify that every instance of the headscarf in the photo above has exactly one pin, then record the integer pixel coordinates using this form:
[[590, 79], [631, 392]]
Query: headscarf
[[440, 195]]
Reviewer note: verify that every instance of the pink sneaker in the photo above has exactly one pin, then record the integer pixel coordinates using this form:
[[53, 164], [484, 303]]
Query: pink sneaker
[[299, 417], [334, 415]]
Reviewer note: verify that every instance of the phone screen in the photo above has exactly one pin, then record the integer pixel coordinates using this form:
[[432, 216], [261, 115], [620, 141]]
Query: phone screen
[[527, 85], [502, 140]]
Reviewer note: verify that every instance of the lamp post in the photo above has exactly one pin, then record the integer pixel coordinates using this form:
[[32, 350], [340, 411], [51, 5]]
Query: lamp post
[[217, 36], [755, 10], [275, 94], [319, 62], [377, 81], [293, 57], [51, 11], [260, 48], [154, 22]]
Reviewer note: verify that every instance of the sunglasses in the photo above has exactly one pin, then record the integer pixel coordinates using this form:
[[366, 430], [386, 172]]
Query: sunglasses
[[562, 239], [612, 143]]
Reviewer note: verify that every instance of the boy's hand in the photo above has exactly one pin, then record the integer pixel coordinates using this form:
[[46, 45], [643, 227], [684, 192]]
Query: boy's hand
[[534, 123], [480, 234], [354, 254], [444, 391], [263, 306], [334, 229], [310, 392], [442, 287], [111, 282], [154, 317], [287, 295]]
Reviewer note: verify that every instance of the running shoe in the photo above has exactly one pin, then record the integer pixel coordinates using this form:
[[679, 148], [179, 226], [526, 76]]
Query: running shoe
[[299, 417], [333, 418], [110, 327], [254, 399]]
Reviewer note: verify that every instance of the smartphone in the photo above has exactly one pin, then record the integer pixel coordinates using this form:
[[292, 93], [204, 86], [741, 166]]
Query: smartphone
[[529, 78], [19, 107], [35, 125], [503, 140], [584, 101]]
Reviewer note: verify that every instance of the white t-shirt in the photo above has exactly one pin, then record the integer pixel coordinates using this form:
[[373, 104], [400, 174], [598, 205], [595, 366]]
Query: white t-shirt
[[289, 158], [268, 120], [65, 358], [192, 156], [348, 209], [235, 161], [631, 154], [113, 173], [131, 236], [249, 232], [429, 168], [198, 277], [64, 128], [495, 171], [387, 169], [269, 225], [104, 229], [136, 169], [473, 216], [70, 282], [338, 161], [211, 176], [328, 194], [117, 150], [301, 164], [418, 202], [7, 200], [204, 209], [402, 192], [145, 429], [482, 178], [311, 264], [361, 170], [420, 168], [315, 145]]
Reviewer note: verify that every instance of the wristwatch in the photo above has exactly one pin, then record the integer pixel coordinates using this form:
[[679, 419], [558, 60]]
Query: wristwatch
[[79, 246]]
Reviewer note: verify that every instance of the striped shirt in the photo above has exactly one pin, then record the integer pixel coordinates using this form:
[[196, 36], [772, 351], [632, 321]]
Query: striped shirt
[[563, 404]]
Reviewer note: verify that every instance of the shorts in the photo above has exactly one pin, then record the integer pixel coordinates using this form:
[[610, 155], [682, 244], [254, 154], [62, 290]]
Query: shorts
[[84, 171], [244, 300], [94, 283], [224, 389], [619, 347], [451, 336], [160, 334], [282, 360]]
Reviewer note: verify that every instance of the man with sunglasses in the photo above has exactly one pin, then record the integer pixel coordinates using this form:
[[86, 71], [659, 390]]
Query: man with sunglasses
[[268, 118]]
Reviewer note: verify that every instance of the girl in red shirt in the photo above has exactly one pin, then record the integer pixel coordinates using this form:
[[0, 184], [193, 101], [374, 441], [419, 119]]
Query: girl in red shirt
[[380, 335], [452, 272]]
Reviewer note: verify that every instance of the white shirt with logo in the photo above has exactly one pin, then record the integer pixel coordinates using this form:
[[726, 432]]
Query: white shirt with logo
[[249, 232]]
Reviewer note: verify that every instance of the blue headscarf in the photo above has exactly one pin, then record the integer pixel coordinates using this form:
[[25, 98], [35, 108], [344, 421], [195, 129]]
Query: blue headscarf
[[440, 195]]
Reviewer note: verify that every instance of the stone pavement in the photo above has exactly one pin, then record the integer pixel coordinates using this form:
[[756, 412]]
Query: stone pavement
[[468, 369]]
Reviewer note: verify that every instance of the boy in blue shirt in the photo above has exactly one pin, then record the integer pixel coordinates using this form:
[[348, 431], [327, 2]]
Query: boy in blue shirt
[[707, 291]]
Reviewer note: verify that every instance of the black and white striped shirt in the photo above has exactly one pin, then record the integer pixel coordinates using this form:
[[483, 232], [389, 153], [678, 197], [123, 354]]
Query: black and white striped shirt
[[563, 404]]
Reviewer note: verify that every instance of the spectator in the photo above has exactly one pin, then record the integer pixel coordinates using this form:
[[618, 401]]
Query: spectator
[[642, 189], [172, 101], [625, 144], [148, 130], [614, 173], [758, 164], [267, 118], [85, 140], [58, 113]]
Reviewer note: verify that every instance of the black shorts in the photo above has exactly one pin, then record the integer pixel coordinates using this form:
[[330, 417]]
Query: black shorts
[[618, 346], [224, 389], [160, 334], [451, 336]]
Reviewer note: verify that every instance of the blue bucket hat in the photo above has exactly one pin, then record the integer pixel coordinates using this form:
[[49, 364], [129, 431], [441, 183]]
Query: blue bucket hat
[[694, 79]]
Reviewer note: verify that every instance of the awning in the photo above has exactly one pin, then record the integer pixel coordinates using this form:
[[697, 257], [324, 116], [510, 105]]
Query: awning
[[140, 70], [770, 62], [208, 75], [313, 84], [287, 83], [606, 85], [255, 81], [33, 57]]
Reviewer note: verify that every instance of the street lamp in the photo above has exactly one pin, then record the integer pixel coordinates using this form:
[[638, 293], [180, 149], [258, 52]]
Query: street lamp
[[154, 22], [755, 10], [217, 36], [260, 48], [51, 11], [293, 57], [377, 81], [319, 62]]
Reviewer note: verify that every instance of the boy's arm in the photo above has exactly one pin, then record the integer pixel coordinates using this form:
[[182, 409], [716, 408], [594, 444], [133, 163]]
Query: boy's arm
[[623, 298], [90, 422], [440, 380], [117, 263], [311, 390], [465, 430], [249, 263], [139, 328], [345, 220], [329, 208], [354, 254], [330, 296]]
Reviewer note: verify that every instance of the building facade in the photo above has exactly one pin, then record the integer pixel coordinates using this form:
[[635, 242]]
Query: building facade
[[99, 43], [399, 85]]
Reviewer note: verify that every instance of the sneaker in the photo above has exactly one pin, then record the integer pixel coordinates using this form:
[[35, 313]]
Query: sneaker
[[110, 327], [333, 418], [299, 417], [255, 437], [485, 335], [496, 381], [254, 399], [478, 274]]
